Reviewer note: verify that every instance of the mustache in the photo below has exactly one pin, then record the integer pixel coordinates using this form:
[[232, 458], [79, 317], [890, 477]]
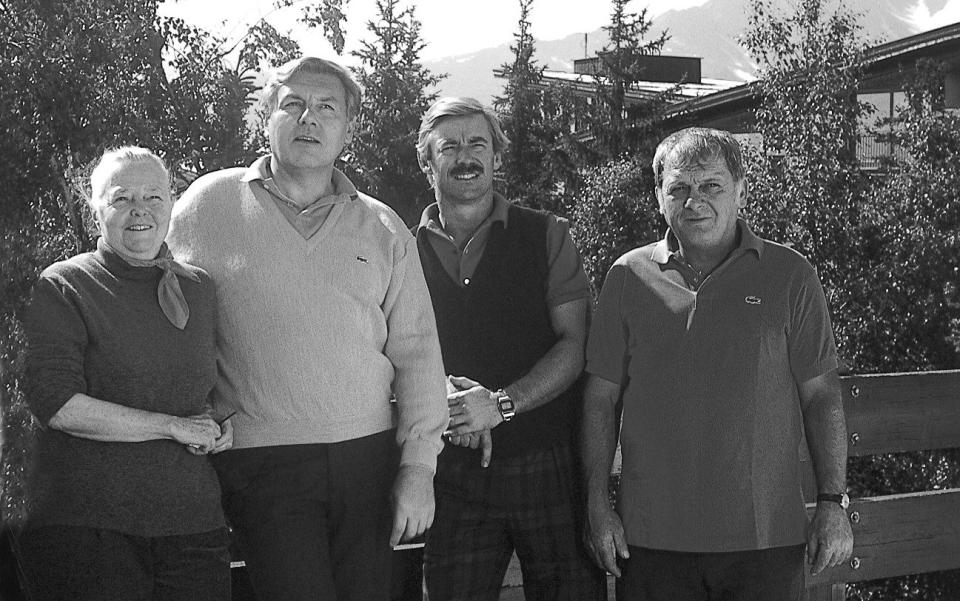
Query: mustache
[[466, 169]]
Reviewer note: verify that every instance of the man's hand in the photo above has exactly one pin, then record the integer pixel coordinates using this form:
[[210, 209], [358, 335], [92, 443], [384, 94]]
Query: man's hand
[[829, 538], [475, 440], [472, 407], [604, 536], [413, 503]]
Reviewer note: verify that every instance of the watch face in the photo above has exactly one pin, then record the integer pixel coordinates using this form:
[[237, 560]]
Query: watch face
[[844, 500], [506, 407]]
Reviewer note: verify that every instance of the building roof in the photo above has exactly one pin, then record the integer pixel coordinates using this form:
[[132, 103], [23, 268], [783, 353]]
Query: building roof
[[946, 40], [902, 48], [721, 99], [643, 90]]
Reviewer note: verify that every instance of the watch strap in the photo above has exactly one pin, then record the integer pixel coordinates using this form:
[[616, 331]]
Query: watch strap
[[840, 499]]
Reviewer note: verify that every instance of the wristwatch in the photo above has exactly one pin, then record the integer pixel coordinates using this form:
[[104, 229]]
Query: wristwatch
[[842, 499], [505, 405]]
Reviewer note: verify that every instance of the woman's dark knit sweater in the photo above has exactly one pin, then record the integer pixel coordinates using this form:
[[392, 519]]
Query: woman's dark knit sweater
[[94, 326]]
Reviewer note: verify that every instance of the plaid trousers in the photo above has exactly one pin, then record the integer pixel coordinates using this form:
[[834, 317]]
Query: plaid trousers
[[529, 503]]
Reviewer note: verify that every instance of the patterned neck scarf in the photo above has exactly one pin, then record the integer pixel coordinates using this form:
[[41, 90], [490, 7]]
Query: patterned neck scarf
[[172, 302]]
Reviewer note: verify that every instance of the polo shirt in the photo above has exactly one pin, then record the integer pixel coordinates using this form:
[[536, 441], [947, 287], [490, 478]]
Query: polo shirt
[[712, 425], [566, 280], [306, 220]]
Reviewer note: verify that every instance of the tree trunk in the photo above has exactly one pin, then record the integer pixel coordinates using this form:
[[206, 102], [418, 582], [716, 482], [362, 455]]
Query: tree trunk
[[68, 205]]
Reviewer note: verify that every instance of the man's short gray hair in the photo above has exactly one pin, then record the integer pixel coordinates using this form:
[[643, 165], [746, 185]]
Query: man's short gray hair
[[314, 66], [454, 106], [694, 146], [108, 162]]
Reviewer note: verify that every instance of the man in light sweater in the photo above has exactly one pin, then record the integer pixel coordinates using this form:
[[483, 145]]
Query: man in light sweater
[[324, 317]]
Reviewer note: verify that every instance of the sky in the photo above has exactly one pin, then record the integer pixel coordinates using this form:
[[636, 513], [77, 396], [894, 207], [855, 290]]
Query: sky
[[456, 27], [450, 27], [925, 18]]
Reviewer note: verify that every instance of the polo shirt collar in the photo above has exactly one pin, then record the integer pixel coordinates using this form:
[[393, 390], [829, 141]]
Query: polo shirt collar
[[430, 218], [668, 247], [343, 188]]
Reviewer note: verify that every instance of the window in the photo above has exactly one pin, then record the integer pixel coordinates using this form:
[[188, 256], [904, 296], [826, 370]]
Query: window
[[872, 146]]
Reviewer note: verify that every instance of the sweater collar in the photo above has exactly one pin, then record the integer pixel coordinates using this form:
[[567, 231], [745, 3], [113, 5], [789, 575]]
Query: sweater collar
[[169, 294], [119, 267], [259, 171]]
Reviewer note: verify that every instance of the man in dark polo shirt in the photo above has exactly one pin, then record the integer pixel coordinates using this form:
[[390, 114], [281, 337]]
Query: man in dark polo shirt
[[720, 346], [511, 302]]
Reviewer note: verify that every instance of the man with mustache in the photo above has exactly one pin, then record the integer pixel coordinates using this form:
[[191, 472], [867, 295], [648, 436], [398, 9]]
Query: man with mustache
[[323, 318], [511, 301], [720, 347]]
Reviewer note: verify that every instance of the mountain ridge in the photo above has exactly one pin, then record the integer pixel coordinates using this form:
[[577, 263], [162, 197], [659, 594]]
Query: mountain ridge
[[471, 74]]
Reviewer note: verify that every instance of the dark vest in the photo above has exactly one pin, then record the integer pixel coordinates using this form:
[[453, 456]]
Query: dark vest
[[495, 329]]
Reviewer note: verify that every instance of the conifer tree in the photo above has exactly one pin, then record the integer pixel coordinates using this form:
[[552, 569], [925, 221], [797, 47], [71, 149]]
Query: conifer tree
[[520, 109], [396, 94], [614, 122]]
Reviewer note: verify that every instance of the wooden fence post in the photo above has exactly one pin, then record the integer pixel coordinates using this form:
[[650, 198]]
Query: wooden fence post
[[827, 592]]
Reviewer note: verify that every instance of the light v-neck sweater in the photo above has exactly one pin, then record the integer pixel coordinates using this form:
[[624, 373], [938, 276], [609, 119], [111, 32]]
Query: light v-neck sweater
[[315, 335]]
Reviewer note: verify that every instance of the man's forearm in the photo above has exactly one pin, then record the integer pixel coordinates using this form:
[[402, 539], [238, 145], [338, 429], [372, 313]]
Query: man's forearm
[[561, 365], [826, 431], [598, 436], [421, 418], [830, 539], [414, 351], [549, 377], [826, 437], [422, 415]]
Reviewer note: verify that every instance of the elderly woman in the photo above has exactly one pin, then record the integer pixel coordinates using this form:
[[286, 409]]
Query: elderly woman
[[123, 504]]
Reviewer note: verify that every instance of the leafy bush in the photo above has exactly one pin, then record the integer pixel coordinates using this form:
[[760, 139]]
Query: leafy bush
[[885, 244], [615, 211]]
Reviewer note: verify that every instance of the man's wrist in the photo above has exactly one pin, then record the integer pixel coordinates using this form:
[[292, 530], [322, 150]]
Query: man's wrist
[[599, 500], [839, 500], [417, 467], [419, 451]]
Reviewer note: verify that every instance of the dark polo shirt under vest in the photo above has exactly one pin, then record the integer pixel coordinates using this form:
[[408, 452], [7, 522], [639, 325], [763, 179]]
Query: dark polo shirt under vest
[[496, 328]]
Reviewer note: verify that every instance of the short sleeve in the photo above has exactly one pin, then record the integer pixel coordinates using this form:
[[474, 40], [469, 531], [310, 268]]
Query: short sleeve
[[608, 340], [810, 341], [566, 280], [56, 341]]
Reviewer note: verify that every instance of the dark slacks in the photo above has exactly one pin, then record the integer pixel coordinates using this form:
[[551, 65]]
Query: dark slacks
[[529, 504], [72, 563], [313, 521], [766, 575]]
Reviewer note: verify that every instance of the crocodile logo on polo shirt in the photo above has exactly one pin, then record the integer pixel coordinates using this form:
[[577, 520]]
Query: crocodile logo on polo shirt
[[752, 300]]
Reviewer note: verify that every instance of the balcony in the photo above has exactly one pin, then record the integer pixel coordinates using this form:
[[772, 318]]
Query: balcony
[[872, 150]]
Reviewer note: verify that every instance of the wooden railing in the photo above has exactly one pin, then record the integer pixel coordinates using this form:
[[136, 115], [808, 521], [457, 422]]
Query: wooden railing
[[895, 535]]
